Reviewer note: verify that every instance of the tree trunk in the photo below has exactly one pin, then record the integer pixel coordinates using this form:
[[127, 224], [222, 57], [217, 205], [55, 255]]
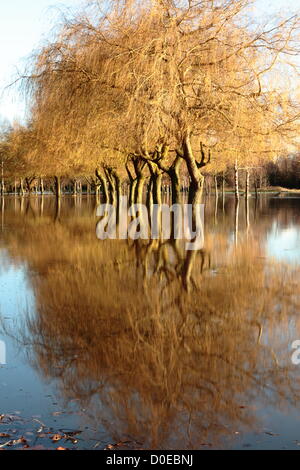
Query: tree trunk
[[139, 189], [247, 182], [256, 189], [236, 181], [104, 188], [74, 188], [2, 179], [156, 188], [175, 185], [57, 184], [247, 214], [103, 185], [118, 186], [21, 187], [132, 190], [223, 192], [42, 186], [150, 196], [216, 187], [197, 179], [236, 225], [112, 190]]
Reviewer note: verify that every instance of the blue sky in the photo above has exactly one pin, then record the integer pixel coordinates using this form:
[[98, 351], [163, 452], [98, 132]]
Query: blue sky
[[24, 24]]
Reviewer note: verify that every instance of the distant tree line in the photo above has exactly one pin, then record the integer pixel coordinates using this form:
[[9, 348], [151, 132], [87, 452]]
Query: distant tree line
[[285, 172]]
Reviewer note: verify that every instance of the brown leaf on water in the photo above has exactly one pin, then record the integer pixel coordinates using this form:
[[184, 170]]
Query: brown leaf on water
[[124, 445], [3, 434], [70, 433], [16, 442], [56, 437], [71, 439], [61, 448]]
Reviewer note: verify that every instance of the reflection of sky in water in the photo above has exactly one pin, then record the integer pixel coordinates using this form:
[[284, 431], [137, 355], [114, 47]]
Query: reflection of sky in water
[[15, 293], [22, 390], [19, 384], [284, 244]]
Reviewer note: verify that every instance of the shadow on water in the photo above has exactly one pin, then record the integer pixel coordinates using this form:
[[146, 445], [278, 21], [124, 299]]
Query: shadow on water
[[163, 346]]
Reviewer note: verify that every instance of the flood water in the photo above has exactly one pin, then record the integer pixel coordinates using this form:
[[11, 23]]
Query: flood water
[[146, 344]]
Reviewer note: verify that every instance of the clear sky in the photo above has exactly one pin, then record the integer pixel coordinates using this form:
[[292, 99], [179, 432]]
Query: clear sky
[[25, 23]]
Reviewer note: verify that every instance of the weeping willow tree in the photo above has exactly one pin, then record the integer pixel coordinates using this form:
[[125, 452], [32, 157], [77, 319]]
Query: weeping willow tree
[[138, 88]]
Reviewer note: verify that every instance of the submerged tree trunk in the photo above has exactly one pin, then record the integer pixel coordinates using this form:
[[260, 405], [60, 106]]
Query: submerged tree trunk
[[21, 187], [141, 180], [156, 188], [175, 185], [247, 214], [112, 189], [57, 184], [175, 180], [2, 180], [132, 184], [216, 187], [118, 185], [236, 181], [197, 178], [88, 188], [236, 225], [223, 186], [196, 191], [256, 187], [132, 191], [155, 184], [150, 197], [247, 184], [223, 192], [2, 212], [103, 184]]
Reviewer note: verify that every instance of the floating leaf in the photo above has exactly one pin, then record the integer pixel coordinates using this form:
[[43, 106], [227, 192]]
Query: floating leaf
[[56, 437]]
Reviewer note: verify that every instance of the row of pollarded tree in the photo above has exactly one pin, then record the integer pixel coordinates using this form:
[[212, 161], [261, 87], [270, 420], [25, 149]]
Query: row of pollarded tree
[[141, 90]]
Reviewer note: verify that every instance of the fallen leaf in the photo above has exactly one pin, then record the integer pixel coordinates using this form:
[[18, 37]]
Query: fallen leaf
[[56, 437]]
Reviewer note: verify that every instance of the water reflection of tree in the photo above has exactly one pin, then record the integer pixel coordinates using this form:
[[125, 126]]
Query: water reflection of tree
[[167, 366]]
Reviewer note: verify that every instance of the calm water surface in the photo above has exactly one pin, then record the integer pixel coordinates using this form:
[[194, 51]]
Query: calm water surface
[[144, 342]]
